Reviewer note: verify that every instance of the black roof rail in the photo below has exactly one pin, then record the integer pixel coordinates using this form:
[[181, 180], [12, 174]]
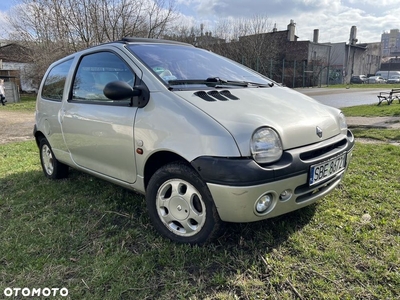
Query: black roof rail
[[149, 40]]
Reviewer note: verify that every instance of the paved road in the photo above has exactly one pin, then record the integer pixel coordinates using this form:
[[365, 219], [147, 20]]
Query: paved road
[[342, 97], [352, 97]]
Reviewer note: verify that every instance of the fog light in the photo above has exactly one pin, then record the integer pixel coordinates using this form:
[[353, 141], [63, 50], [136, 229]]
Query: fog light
[[285, 195], [263, 203]]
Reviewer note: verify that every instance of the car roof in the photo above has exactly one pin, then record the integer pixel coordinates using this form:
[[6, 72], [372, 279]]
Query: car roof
[[152, 41], [138, 40], [125, 40]]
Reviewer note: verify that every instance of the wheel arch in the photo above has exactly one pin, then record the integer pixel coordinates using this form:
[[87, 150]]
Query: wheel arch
[[38, 136], [158, 160]]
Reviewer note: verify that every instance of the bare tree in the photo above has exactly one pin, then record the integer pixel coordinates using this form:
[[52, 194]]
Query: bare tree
[[183, 33], [55, 28], [233, 29], [159, 15], [246, 40], [319, 62], [249, 41]]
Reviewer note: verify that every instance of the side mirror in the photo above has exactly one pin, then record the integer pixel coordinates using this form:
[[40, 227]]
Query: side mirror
[[120, 90]]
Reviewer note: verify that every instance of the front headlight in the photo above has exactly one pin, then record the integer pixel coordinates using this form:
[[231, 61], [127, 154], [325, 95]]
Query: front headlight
[[342, 123], [266, 145]]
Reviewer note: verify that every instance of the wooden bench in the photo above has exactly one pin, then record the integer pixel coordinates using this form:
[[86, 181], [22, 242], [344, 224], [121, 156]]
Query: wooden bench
[[389, 96]]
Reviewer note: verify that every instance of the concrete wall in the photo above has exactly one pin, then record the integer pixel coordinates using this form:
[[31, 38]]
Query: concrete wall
[[363, 59]]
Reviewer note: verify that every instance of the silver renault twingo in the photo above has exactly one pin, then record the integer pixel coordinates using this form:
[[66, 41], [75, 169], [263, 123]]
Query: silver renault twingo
[[205, 139]]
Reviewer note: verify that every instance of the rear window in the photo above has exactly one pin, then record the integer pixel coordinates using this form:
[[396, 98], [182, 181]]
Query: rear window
[[53, 87]]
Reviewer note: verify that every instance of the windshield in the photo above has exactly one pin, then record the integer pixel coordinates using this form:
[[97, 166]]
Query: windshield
[[185, 65]]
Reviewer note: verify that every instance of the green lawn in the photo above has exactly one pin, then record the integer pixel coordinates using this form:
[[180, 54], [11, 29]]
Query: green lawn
[[96, 240], [373, 110], [27, 103]]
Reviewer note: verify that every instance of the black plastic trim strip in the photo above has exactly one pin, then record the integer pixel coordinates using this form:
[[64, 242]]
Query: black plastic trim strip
[[246, 172]]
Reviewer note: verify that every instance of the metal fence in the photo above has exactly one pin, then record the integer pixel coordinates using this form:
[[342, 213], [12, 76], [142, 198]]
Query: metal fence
[[297, 73]]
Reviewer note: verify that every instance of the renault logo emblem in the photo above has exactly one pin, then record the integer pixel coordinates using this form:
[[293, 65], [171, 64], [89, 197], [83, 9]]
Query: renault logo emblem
[[319, 132]]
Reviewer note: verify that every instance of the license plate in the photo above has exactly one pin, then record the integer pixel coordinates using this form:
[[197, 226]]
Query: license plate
[[327, 169]]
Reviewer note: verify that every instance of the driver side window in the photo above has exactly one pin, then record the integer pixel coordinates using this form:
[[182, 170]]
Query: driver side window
[[94, 72]]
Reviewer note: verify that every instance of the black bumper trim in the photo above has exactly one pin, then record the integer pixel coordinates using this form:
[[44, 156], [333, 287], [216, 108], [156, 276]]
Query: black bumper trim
[[243, 171], [246, 172]]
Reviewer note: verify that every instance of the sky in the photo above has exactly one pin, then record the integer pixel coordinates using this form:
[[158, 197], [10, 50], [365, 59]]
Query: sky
[[333, 18]]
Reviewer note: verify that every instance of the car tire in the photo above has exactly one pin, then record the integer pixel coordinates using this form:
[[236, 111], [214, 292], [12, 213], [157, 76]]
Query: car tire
[[52, 168], [180, 205]]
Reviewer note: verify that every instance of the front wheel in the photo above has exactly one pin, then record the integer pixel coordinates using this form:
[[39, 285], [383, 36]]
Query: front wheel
[[52, 168], [181, 206]]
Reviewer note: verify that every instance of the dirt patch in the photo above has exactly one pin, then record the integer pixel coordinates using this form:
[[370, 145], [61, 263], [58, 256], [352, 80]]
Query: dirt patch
[[16, 126], [373, 141], [373, 122]]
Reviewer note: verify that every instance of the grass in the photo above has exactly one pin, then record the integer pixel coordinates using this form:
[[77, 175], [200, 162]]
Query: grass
[[385, 135], [95, 238], [27, 104], [373, 110]]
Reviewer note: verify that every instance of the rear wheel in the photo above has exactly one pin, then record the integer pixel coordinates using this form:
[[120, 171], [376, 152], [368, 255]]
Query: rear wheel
[[52, 168], [180, 205]]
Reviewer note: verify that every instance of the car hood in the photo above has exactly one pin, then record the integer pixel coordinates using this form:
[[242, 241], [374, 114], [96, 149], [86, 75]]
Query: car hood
[[293, 115]]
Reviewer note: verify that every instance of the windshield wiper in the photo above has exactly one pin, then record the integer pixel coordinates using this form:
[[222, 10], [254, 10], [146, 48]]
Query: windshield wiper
[[218, 82], [238, 83]]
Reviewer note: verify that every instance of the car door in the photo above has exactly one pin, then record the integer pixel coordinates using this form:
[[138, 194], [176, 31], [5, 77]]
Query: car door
[[97, 131]]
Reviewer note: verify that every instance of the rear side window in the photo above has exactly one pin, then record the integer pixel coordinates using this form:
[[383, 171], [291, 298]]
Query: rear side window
[[53, 87]]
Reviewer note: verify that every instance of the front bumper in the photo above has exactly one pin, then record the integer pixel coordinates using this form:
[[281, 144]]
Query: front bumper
[[237, 184]]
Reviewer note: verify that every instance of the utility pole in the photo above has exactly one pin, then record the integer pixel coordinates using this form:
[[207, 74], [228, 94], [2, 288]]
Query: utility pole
[[353, 40]]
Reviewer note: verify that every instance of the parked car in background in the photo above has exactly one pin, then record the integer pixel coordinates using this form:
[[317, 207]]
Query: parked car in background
[[358, 79], [375, 79], [387, 74], [204, 138], [394, 79]]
